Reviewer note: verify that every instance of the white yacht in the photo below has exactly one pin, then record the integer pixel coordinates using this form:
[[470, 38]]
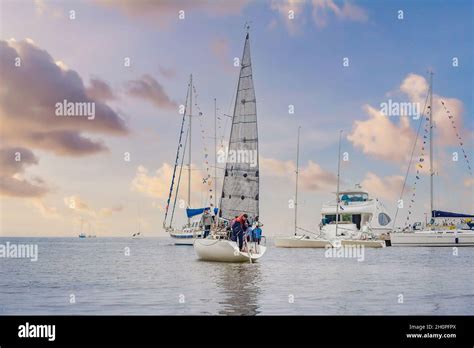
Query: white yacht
[[365, 213], [356, 220]]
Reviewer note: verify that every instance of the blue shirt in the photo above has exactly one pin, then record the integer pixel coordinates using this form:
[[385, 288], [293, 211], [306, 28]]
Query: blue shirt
[[257, 232]]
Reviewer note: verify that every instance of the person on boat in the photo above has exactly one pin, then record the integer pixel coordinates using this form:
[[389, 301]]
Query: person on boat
[[257, 234], [238, 229], [206, 220]]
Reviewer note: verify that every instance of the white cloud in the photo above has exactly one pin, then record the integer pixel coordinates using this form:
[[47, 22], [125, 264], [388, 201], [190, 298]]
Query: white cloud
[[388, 187], [312, 177], [381, 138]]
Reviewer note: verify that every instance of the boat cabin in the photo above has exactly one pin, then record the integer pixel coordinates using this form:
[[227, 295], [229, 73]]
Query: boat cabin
[[358, 208]]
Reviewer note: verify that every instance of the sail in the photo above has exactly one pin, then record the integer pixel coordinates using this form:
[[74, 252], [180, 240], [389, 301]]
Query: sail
[[240, 191]]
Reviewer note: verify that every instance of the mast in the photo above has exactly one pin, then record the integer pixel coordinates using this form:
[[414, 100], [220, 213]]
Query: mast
[[297, 174], [431, 143], [190, 143], [338, 176], [215, 154]]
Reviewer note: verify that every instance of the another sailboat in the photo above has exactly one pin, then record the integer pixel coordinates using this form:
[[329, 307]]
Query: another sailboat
[[82, 233], [193, 228], [435, 234], [240, 189], [335, 232]]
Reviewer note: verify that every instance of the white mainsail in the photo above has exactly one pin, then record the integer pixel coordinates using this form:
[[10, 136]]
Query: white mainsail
[[240, 191]]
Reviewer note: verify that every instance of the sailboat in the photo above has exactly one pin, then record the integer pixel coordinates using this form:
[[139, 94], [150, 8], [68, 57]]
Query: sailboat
[[82, 233], [192, 229], [138, 234], [240, 188], [434, 234], [334, 232]]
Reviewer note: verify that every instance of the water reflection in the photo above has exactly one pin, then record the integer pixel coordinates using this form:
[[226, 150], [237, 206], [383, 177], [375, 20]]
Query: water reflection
[[240, 284]]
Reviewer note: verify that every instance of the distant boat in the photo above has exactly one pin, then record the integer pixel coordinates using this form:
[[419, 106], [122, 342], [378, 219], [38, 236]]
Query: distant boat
[[435, 234], [240, 189], [82, 234], [138, 234]]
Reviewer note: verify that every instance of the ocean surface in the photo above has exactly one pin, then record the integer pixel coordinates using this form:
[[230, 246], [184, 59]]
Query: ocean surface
[[95, 276]]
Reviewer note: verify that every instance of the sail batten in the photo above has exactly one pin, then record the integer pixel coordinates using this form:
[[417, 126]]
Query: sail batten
[[240, 191]]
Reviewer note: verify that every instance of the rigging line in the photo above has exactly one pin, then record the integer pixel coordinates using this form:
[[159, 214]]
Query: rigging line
[[206, 175], [179, 175], [411, 157], [177, 158]]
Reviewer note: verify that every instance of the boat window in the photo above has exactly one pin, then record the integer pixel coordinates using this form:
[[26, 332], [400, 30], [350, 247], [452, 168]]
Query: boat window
[[384, 219], [353, 197]]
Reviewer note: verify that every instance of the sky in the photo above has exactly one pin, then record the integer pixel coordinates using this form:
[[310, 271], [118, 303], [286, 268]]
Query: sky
[[334, 61]]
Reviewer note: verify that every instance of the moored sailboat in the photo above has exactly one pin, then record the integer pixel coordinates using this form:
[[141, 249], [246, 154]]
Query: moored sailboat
[[434, 233], [192, 229]]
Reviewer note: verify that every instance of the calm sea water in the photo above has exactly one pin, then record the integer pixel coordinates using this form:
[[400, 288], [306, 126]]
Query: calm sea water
[[160, 278]]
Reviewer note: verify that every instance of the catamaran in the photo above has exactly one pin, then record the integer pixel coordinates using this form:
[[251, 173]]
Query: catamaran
[[240, 188], [435, 234], [351, 220]]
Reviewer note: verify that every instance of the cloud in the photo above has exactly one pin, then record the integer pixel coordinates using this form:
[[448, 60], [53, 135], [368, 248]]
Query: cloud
[[147, 88], [388, 187], [164, 12], [220, 48], [157, 185], [100, 90], [380, 138], [294, 24], [469, 182], [106, 212], [323, 9], [311, 177], [77, 204], [45, 210], [321, 13], [27, 104], [416, 88], [13, 161], [168, 73]]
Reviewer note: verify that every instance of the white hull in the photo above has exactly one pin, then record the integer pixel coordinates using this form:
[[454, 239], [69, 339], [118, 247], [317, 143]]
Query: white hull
[[225, 251], [433, 238], [300, 242], [308, 242], [184, 238]]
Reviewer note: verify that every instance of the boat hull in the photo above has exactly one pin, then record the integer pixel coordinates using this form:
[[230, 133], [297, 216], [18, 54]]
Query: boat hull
[[433, 238], [301, 242], [184, 238], [220, 250]]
